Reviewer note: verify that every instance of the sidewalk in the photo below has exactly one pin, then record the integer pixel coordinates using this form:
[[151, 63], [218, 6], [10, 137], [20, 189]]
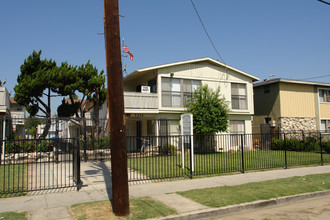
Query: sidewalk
[[97, 186]]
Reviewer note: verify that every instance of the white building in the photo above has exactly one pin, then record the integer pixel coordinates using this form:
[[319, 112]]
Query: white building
[[171, 85], [18, 115]]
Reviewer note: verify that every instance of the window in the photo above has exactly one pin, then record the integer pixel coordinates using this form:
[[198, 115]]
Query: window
[[325, 125], [19, 109], [237, 127], [324, 95], [238, 96], [176, 92]]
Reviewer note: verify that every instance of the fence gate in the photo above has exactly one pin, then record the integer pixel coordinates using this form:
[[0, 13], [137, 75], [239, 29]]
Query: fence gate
[[38, 164]]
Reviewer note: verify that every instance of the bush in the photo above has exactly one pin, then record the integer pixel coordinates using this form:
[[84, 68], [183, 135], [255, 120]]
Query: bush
[[27, 146], [100, 142], [326, 146], [204, 143], [311, 144], [169, 150], [293, 144]]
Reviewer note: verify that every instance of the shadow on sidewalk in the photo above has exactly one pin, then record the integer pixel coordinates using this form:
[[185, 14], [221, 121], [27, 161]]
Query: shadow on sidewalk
[[97, 175]]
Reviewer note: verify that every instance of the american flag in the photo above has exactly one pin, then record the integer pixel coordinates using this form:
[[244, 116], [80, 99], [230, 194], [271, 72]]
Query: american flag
[[126, 50]]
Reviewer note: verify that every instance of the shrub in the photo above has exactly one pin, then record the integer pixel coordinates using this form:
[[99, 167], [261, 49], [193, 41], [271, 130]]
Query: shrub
[[204, 143], [27, 146], [311, 144], [169, 150], [100, 142], [293, 144], [326, 146]]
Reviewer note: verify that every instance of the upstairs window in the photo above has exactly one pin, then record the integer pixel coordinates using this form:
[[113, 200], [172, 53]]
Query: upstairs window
[[325, 126], [176, 92], [324, 95], [238, 96]]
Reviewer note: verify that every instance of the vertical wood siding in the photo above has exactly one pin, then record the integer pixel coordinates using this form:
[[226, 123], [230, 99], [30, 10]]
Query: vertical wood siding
[[297, 100], [325, 111]]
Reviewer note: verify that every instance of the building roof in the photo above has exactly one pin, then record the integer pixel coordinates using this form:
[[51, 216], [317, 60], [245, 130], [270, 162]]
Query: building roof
[[12, 100], [205, 59], [277, 80]]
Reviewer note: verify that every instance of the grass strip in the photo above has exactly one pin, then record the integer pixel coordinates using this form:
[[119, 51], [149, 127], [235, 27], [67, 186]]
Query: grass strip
[[14, 215], [13, 180], [230, 195], [140, 208]]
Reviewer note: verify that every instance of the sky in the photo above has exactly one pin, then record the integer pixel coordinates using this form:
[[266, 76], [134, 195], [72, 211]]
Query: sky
[[285, 38]]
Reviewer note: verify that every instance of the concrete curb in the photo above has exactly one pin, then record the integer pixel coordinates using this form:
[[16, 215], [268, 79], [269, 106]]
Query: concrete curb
[[217, 212]]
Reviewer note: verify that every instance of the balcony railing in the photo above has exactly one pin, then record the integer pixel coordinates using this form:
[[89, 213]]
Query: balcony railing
[[137, 100]]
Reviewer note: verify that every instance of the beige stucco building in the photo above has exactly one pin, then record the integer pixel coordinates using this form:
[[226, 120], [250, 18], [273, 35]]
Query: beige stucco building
[[292, 105]]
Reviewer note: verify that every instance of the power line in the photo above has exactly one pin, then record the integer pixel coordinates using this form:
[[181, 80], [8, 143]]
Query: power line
[[316, 77], [208, 36], [324, 2]]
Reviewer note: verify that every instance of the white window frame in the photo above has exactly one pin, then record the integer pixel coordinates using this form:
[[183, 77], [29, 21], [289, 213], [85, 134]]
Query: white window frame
[[239, 98], [327, 125], [324, 95], [176, 96]]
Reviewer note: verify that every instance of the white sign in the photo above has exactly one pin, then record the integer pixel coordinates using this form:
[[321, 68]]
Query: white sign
[[145, 89], [187, 137], [187, 124]]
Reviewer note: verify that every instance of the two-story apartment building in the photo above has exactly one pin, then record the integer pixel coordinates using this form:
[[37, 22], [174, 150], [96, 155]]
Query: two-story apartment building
[[292, 105], [161, 92]]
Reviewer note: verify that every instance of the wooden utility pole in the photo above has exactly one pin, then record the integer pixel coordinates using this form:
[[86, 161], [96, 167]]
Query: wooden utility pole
[[120, 200]]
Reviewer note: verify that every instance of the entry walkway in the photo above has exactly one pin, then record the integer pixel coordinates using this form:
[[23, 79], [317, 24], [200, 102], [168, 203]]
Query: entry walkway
[[97, 186]]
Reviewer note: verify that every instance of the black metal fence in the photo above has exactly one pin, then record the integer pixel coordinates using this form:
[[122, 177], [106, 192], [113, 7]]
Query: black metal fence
[[36, 164], [29, 162], [162, 157]]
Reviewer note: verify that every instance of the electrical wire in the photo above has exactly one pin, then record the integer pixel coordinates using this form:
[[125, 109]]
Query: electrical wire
[[324, 2], [316, 77], [207, 34]]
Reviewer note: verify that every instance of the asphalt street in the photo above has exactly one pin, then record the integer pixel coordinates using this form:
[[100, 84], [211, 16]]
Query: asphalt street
[[318, 209]]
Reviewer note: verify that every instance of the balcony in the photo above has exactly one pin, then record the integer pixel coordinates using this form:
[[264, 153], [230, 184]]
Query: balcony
[[4, 101], [138, 100]]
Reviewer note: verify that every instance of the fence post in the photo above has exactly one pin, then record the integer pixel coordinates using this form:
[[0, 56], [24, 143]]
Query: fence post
[[3, 140], [85, 140], [76, 163], [242, 147], [321, 149], [192, 160], [285, 155]]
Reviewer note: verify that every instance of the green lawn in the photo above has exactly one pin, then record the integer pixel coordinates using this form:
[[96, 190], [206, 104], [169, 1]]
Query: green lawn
[[12, 179], [214, 163], [230, 195], [14, 215], [140, 208]]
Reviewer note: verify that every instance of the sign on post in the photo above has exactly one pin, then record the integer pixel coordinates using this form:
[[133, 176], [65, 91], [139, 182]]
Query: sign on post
[[187, 137]]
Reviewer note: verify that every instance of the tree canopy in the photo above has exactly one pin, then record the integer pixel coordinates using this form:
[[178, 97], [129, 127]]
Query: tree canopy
[[34, 82], [85, 81], [210, 111], [40, 80]]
